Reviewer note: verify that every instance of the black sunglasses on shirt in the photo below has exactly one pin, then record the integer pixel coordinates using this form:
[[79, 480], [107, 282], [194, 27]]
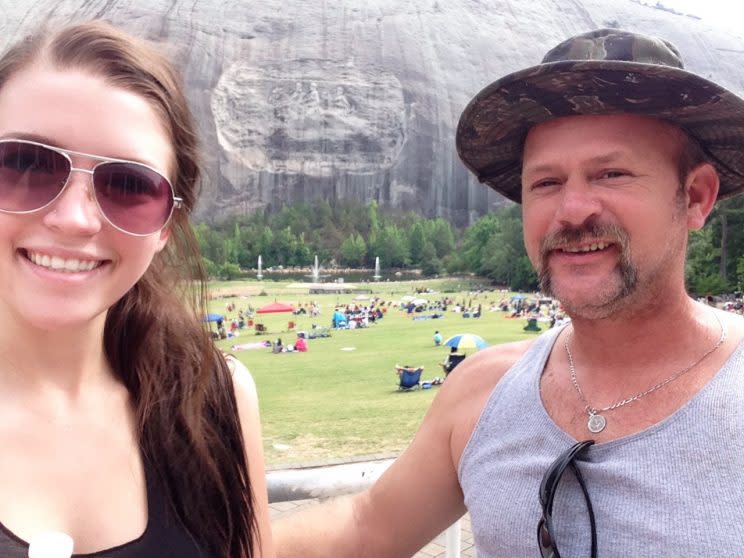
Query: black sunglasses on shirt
[[548, 486]]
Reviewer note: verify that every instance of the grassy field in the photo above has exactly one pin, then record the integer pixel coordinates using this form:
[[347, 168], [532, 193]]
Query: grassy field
[[340, 399]]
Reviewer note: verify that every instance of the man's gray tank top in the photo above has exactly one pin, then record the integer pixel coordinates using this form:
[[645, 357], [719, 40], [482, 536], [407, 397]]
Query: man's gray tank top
[[675, 489]]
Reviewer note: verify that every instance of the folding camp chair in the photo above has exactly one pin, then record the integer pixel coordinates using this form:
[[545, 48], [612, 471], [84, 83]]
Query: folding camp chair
[[409, 378], [453, 359]]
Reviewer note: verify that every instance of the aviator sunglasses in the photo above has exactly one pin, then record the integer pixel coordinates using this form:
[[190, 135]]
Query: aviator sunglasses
[[133, 197], [548, 486]]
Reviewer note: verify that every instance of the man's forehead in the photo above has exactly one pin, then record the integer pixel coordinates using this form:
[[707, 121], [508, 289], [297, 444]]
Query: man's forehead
[[622, 127], [541, 164], [605, 121], [597, 139]]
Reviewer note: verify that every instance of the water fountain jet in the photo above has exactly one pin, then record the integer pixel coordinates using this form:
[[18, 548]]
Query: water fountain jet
[[377, 275]]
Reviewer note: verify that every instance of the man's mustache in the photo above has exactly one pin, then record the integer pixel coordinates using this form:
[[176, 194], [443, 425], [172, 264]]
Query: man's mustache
[[585, 234]]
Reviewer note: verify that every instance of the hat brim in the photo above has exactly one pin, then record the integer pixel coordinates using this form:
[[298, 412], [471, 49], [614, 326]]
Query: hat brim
[[492, 128]]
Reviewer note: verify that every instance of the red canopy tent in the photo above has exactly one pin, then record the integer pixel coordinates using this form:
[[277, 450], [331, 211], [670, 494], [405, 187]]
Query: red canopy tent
[[275, 307]]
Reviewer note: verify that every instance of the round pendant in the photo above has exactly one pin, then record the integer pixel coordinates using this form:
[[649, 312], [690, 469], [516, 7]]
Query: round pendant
[[596, 423]]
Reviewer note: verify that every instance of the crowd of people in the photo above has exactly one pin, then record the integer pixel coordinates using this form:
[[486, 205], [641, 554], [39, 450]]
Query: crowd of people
[[354, 315]]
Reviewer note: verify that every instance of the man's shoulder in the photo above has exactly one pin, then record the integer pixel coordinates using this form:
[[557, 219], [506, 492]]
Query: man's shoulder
[[467, 387], [492, 363], [733, 322]]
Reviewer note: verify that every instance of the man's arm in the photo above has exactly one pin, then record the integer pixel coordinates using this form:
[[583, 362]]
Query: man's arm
[[412, 502], [419, 495]]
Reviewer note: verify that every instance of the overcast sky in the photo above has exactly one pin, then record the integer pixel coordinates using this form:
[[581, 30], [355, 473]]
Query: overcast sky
[[725, 12]]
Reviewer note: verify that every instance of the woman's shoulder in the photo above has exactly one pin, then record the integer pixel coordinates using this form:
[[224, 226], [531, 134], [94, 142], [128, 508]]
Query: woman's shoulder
[[246, 397], [243, 383]]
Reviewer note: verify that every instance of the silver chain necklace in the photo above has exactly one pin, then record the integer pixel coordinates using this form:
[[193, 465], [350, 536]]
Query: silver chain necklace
[[597, 422]]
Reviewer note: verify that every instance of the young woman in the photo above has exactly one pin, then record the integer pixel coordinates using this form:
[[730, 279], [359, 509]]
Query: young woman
[[120, 423]]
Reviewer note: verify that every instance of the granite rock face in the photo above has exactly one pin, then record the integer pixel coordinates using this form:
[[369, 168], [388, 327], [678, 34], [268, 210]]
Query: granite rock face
[[347, 99]]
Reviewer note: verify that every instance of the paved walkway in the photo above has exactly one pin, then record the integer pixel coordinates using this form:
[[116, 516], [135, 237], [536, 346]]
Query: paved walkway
[[435, 548]]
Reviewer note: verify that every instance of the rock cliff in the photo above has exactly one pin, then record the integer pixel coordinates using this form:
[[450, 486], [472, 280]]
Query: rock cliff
[[359, 99]]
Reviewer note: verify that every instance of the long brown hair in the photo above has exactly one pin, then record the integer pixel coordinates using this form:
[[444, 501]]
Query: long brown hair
[[179, 383]]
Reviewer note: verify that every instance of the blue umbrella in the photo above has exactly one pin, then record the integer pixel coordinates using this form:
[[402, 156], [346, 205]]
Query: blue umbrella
[[213, 318], [466, 341]]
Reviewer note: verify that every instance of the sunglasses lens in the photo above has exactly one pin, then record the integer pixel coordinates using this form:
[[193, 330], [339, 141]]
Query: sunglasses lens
[[133, 197], [545, 541], [31, 176]]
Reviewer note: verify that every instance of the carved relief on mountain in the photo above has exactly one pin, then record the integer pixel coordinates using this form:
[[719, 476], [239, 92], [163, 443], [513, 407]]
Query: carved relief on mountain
[[310, 116]]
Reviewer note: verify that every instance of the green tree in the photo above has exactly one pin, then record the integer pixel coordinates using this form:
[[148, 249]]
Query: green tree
[[228, 271], [502, 260], [525, 278], [303, 255], [442, 236], [241, 247], [712, 283], [493, 247], [740, 274], [416, 242], [474, 243], [373, 217], [211, 243], [321, 214], [727, 222], [353, 251], [296, 217], [284, 247], [702, 261], [210, 267], [393, 244], [265, 246], [430, 263]]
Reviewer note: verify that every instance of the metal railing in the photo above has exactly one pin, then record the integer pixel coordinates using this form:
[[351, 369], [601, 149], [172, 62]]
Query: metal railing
[[327, 481]]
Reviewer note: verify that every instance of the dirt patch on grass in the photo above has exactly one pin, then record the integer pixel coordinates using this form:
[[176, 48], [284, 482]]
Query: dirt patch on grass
[[235, 290], [311, 448], [305, 447]]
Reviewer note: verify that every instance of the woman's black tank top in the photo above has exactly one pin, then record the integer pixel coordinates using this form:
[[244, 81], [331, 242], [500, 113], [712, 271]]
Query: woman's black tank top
[[164, 536]]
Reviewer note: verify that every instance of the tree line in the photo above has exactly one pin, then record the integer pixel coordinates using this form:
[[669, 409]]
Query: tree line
[[346, 234], [352, 235]]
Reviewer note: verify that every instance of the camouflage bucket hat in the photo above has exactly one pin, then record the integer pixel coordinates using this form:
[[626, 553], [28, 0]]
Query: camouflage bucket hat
[[601, 72]]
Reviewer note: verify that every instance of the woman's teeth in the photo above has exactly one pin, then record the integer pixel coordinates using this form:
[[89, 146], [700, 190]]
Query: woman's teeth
[[59, 264]]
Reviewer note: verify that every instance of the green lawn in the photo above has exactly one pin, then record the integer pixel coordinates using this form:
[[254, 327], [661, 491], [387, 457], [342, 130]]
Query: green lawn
[[340, 399]]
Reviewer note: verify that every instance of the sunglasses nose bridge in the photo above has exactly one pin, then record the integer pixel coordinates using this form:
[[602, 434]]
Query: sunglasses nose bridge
[[76, 205], [89, 186]]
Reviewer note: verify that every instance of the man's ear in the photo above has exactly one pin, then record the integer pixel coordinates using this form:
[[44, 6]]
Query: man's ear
[[702, 191]]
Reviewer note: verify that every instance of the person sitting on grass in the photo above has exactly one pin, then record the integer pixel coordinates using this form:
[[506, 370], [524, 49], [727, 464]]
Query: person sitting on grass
[[407, 368], [301, 344], [453, 359]]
